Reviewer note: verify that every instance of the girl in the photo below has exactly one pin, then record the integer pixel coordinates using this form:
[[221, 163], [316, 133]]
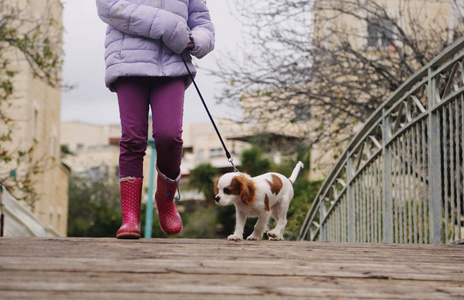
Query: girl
[[144, 43]]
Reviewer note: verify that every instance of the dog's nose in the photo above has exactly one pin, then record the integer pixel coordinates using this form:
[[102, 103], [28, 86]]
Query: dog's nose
[[217, 198]]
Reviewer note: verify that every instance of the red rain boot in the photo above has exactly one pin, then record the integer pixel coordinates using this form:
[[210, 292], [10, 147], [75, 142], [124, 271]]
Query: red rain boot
[[131, 196], [169, 217]]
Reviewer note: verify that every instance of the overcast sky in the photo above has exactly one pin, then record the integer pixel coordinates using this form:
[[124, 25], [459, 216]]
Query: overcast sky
[[90, 101]]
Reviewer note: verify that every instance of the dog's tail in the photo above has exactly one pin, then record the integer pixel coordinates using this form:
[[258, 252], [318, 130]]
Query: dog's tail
[[295, 172]]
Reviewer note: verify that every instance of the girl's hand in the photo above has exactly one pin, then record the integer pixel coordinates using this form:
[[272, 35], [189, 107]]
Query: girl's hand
[[191, 45]]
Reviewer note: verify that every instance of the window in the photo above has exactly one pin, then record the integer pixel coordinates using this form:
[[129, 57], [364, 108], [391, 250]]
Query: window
[[200, 154], [54, 144], [35, 124], [50, 217], [381, 35], [105, 171], [58, 222], [95, 174], [215, 152], [302, 113]]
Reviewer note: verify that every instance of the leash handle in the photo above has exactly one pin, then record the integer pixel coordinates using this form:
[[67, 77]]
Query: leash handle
[[229, 157]]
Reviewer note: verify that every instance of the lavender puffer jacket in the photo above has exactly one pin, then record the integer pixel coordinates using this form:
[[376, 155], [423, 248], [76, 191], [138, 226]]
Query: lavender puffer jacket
[[146, 37]]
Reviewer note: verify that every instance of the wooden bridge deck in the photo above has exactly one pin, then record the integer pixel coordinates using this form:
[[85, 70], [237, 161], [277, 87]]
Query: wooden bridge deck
[[82, 268]]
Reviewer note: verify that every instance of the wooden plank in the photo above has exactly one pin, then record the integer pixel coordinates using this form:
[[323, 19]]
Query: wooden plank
[[195, 285], [74, 268], [346, 269]]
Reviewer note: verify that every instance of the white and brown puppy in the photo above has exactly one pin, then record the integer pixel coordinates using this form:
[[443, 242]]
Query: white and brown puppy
[[261, 196]]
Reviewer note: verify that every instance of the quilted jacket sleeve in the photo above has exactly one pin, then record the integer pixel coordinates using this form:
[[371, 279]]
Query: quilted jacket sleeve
[[199, 22], [146, 21]]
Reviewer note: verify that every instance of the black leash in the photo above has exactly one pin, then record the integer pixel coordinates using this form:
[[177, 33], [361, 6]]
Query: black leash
[[229, 157]]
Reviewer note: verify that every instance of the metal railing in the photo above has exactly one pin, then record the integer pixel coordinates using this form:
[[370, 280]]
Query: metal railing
[[401, 178]]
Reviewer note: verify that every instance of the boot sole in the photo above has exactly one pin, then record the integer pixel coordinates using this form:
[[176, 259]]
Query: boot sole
[[171, 232], [128, 235]]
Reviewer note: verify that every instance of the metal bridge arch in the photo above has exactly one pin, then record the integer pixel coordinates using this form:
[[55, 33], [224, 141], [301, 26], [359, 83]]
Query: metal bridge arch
[[401, 178]]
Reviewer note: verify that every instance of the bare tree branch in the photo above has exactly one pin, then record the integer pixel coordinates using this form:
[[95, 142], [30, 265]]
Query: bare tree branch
[[337, 59]]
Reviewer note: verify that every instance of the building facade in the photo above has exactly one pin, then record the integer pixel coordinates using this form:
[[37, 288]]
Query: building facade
[[35, 112]]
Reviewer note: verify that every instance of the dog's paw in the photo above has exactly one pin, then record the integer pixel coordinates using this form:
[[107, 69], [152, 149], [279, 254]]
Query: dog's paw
[[254, 238], [234, 238], [274, 237]]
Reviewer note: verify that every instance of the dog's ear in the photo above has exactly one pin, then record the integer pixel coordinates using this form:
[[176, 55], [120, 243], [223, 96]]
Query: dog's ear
[[247, 190], [216, 189]]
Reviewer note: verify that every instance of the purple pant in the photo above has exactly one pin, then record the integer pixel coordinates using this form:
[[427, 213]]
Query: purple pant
[[165, 95]]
